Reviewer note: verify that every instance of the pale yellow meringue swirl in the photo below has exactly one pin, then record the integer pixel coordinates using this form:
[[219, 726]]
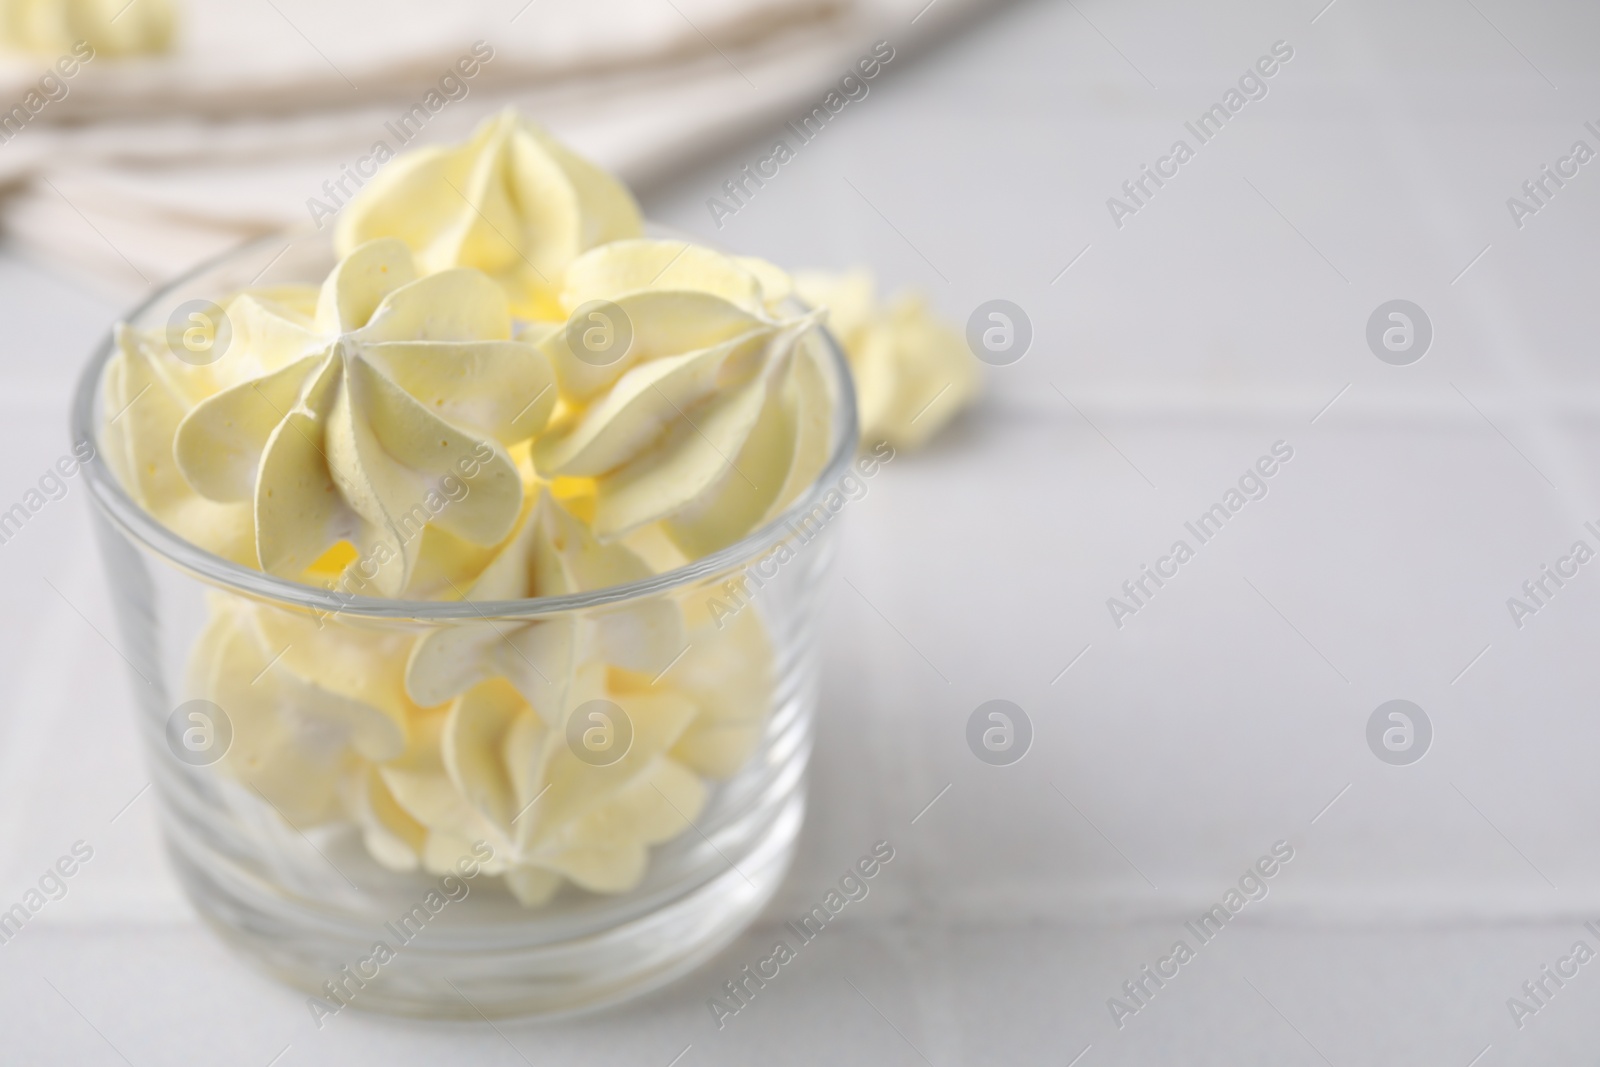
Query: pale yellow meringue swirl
[[387, 410], [715, 417], [512, 202]]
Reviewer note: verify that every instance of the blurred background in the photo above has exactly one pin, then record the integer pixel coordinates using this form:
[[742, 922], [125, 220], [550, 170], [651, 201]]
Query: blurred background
[[1181, 330]]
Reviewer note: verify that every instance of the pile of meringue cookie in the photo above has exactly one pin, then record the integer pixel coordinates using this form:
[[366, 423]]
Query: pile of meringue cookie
[[502, 390]]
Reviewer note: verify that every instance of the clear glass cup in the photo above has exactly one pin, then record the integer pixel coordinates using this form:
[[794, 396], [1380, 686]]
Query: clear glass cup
[[277, 797]]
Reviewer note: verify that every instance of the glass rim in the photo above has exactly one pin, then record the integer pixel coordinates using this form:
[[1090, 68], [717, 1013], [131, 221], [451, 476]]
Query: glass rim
[[134, 522]]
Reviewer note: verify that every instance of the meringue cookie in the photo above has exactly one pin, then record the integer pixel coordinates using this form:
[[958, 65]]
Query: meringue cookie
[[543, 807], [494, 763], [551, 553], [292, 739], [912, 372], [699, 718], [512, 202], [146, 393], [353, 424], [115, 27], [709, 419], [348, 674]]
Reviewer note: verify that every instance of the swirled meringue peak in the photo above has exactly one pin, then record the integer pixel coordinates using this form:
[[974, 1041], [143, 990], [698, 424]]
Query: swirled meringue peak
[[385, 407], [689, 395], [512, 202]]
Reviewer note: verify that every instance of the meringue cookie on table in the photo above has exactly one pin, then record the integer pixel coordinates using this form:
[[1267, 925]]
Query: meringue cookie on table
[[912, 371], [386, 410], [712, 419], [512, 202], [115, 27]]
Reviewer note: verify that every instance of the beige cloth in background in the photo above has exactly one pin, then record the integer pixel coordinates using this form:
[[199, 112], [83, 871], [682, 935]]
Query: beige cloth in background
[[149, 165]]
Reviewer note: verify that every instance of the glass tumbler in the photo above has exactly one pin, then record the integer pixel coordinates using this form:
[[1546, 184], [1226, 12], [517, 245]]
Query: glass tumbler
[[475, 856]]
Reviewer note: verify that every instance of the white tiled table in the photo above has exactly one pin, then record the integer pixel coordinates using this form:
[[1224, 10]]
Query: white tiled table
[[1226, 715]]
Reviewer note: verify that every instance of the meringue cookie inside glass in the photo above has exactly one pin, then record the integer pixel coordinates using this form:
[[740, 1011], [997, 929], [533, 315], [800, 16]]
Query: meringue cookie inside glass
[[365, 429], [521, 675], [717, 414], [511, 201], [441, 520]]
